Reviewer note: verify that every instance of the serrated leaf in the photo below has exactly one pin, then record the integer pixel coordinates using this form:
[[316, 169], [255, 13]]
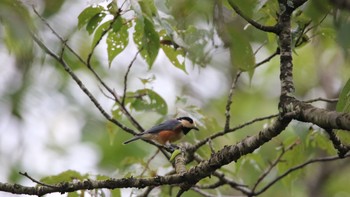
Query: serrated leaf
[[99, 32], [87, 14], [94, 22], [65, 176], [241, 52], [117, 39], [149, 100], [147, 40], [343, 104], [172, 53]]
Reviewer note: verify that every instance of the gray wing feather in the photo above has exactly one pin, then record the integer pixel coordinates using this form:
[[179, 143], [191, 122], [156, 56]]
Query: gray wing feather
[[167, 125]]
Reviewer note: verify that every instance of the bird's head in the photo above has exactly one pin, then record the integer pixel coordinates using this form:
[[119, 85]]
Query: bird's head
[[187, 124]]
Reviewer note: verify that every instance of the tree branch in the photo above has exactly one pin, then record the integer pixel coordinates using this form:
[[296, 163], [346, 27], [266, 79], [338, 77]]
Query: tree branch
[[323, 118], [272, 29], [324, 159], [126, 77], [218, 134], [192, 176], [81, 85], [342, 150], [229, 101], [285, 46]]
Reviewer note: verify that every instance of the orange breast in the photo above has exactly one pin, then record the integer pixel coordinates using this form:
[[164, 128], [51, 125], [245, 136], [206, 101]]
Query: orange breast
[[168, 135]]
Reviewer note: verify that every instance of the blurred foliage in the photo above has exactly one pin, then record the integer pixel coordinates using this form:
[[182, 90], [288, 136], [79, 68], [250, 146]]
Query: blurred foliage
[[182, 45]]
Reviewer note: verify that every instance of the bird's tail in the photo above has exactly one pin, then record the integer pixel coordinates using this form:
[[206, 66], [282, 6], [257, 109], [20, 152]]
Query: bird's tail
[[132, 139]]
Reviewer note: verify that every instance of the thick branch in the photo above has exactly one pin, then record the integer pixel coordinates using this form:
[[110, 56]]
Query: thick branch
[[322, 117], [285, 46]]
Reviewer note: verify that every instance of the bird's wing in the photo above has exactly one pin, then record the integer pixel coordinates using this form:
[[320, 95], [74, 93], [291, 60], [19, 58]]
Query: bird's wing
[[167, 125]]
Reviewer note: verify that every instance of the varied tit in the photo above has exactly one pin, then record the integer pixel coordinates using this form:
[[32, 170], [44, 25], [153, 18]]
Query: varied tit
[[168, 131]]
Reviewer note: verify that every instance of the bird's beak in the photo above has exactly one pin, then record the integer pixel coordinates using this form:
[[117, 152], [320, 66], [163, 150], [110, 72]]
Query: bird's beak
[[195, 128]]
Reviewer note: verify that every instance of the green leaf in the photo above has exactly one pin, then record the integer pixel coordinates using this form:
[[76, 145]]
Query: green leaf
[[173, 53], [343, 104], [319, 140], [147, 40], [113, 8], [73, 194], [148, 8], [94, 22], [194, 43], [116, 192], [100, 177], [117, 39], [175, 153], [65, 176], [246, 6], [100, 32], [149, 100], [86, 15], [52, 7], [241, 52]]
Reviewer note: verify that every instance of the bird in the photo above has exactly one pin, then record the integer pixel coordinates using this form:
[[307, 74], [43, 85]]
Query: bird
[[167, 132]]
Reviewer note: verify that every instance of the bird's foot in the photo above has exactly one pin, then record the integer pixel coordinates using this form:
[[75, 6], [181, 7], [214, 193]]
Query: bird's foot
[[171, 147]]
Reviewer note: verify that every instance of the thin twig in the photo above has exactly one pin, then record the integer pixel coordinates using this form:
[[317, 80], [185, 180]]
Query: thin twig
[[203, 193], [273, 164], [324, 159], [233, 87], [218, 134], [229, 101], [211, 186], [260, 47], [147, 192], [148, 162], [268, 58], [126, 77], [36, 181], [221, 176], [272, 29], [319, 23], [58, 36], [111, 91], [322, 99], [104, 32], [81, 85]]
